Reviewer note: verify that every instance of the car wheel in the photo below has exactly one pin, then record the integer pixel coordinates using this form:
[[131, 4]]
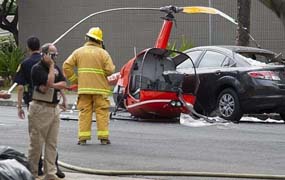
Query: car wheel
[[228, 106], [282, 115]]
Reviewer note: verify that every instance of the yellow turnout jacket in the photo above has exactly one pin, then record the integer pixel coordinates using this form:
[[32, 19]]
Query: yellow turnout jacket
[[93, 64]]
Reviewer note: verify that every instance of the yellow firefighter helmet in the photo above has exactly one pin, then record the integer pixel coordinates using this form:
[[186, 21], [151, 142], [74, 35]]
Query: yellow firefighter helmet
[[96, 33]]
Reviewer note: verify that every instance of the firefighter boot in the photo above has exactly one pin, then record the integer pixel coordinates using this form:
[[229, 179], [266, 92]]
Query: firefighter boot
[[81, 142], [105, 141]]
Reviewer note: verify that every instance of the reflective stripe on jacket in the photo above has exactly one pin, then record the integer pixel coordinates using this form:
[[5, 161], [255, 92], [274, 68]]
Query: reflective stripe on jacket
[[94, 64]]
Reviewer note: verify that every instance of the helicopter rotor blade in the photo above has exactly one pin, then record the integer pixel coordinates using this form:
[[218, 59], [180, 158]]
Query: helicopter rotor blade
[[207, 10], [100, 12], [166, 9]]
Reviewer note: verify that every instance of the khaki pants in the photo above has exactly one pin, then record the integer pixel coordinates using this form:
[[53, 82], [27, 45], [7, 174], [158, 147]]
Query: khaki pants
[[43, 130], [86, 104]]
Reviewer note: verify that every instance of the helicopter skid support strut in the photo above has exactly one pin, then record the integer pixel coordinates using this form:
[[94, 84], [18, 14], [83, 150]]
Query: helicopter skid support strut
[[195, 115], [198, 116]]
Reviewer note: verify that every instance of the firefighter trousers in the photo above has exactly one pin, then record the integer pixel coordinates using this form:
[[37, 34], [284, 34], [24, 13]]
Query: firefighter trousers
[[87, 104]]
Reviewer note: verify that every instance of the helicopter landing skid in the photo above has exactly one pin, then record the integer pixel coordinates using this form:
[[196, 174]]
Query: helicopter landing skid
[[122, 115]]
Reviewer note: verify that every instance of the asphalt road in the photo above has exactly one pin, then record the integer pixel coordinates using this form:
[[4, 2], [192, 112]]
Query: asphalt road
[[234, 148]]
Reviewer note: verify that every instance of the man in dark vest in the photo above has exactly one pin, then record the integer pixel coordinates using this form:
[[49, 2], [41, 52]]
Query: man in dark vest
[[23, 79]]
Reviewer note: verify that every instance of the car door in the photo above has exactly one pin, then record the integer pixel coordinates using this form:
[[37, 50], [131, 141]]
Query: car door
[[209, 69]]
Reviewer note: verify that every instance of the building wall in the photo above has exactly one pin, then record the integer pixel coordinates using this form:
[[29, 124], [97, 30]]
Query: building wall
[[124, 30]]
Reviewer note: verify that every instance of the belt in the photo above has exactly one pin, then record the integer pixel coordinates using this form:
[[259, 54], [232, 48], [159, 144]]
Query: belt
[[44, 103]]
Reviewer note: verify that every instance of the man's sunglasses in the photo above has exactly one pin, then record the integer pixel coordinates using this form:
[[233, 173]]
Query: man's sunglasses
[[53, 55]]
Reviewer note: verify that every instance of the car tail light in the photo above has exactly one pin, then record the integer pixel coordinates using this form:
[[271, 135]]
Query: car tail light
[[268, 75]]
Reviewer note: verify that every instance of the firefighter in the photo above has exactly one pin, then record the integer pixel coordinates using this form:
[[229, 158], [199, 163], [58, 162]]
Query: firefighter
[[94, 64]]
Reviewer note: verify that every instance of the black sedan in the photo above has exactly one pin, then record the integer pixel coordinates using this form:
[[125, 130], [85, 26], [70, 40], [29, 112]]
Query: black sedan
[[237, 80]]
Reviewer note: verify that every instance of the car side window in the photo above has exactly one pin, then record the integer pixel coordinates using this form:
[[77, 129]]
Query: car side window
[[212, 59], [228, 62], [194, 55]]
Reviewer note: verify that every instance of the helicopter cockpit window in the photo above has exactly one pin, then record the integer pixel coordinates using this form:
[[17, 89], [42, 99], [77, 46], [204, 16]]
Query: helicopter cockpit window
[[153, 67]]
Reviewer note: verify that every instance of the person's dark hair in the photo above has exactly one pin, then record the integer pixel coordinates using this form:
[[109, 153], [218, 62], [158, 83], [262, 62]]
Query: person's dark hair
[[33, 43]]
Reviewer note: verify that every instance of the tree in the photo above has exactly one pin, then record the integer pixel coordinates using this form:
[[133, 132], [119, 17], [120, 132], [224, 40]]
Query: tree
[[9, 8], [243, 18], [277, 6]]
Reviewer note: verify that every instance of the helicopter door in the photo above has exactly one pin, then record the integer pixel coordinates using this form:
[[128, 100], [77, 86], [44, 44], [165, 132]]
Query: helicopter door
[[159, 66], [154, 63], [153, 70]]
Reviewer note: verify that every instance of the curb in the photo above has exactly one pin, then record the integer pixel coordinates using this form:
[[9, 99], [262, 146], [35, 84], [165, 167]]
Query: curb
[[14, 104], [8, 103]]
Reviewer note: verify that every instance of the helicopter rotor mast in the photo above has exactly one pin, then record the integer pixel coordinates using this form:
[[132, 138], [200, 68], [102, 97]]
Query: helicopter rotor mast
[[163, 37]]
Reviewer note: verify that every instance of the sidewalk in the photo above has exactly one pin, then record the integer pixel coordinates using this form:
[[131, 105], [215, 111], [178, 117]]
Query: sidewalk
[[71, 99]]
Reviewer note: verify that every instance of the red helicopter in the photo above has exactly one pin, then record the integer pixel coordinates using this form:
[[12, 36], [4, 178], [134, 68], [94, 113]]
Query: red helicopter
[[149, 87]]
